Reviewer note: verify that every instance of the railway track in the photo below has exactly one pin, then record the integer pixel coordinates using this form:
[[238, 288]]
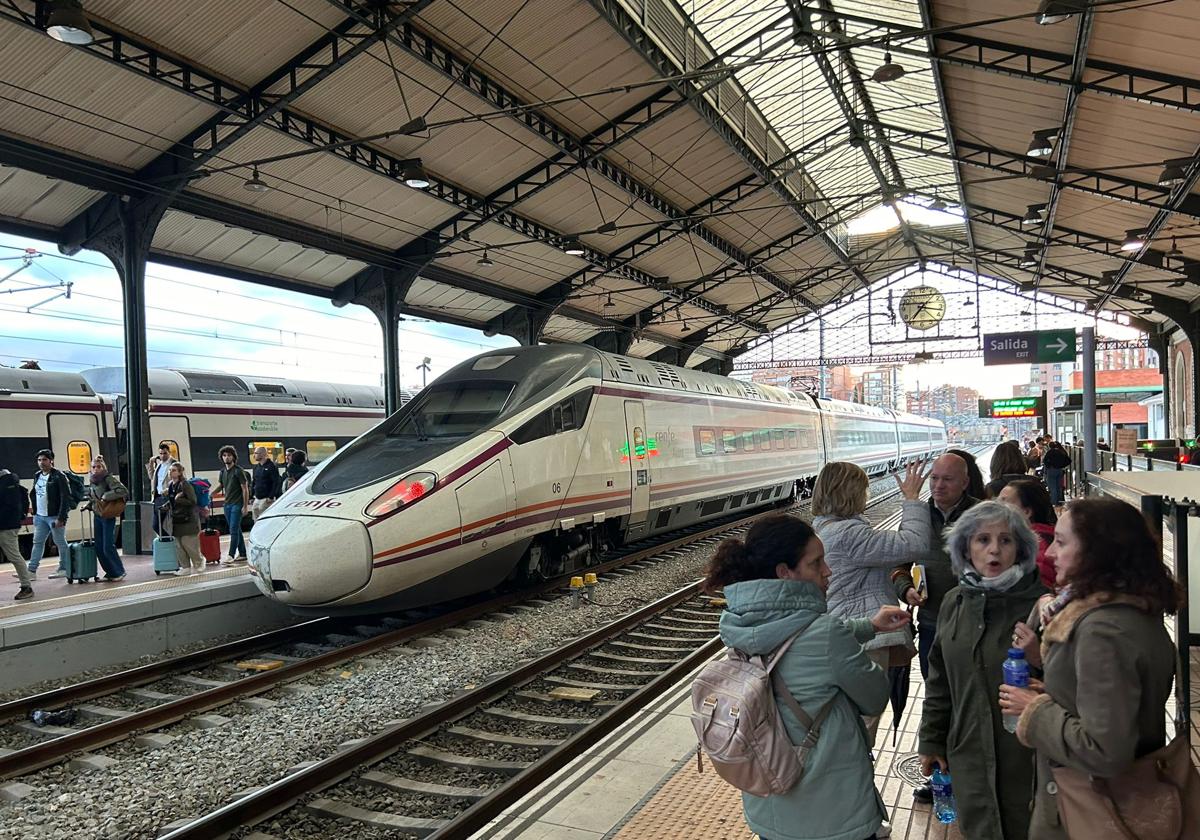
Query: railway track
[[448, 772]]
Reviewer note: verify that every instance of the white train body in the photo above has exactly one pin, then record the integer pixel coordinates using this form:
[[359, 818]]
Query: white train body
[[533, 459]]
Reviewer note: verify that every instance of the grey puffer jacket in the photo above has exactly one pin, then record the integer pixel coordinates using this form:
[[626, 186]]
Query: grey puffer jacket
[[862, 559]]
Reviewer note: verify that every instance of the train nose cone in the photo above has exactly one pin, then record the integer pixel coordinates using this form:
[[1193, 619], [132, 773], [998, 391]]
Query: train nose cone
[[310, 560]]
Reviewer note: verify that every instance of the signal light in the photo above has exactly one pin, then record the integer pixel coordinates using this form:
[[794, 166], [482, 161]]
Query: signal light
[[407, 491]]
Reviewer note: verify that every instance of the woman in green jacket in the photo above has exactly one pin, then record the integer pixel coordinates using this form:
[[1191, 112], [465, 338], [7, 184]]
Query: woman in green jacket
[[775, 583], [994, 554]]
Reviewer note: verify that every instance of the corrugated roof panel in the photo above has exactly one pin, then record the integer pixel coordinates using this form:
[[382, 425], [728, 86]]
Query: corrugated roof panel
[[684, 258], [582, 202], [1159, 37], [1104, 217], [1022, 31], [308, 189], [241, 41], [212, 242], [363, 100], [644, 348], [1113, 132], [30, 197], [430, 295], [60, 96], [999, 111], [755, 222], [559, 328]]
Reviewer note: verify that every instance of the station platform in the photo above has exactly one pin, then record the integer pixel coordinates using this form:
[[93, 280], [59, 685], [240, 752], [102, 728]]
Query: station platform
[[66, 628]]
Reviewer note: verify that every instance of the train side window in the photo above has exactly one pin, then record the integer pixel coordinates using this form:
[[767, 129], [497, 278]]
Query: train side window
[[706, 442], [777, 438], [79, 457], [747, 441], [319, 450], [274, 449], [729, 440], [567, 416], [535, 428], [793, 438], [764, 439], [174, 447]]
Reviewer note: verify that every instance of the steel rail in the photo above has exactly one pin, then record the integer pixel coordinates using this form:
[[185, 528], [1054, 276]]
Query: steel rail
[[286, 792]]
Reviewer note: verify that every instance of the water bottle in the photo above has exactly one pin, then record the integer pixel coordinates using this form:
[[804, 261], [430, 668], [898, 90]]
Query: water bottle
[[943, 797], [1016, 674]]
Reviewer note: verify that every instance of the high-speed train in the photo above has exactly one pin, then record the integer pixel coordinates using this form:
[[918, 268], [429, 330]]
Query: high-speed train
[[531, 461]]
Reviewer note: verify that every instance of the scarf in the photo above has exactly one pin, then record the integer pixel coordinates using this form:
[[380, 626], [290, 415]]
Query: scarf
[[98, 477], [1049, 609], [1002, 582]]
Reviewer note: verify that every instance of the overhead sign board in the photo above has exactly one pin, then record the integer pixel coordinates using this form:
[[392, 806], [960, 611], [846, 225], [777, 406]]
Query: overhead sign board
[[1030, 347], [1013, 407]]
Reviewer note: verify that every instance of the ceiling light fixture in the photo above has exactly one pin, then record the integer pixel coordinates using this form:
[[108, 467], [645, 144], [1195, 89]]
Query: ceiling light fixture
[[1149, 310], [1173, 258], [414, 175], [1034, 214], [685, 327], [608, 303], [1056, 11], [1135, 240], [1025, 313], [67, 23], [889, 71], [573, 247], [1042, 144], [1030, 259], [255, 183], [1174, 172], [937, 204], [484, 260]]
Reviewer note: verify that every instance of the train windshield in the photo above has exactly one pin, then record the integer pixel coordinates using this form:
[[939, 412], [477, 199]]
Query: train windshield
[[451, 409]]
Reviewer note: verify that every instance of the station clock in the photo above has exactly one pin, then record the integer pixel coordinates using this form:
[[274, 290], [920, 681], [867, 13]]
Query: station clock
[[922, 307]]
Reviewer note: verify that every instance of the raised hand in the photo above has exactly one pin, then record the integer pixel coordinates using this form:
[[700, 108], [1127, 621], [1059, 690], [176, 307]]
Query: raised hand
[[913, 481]]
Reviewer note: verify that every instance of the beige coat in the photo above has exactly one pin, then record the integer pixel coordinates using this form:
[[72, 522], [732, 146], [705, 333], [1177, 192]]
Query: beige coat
[[1109, 665]]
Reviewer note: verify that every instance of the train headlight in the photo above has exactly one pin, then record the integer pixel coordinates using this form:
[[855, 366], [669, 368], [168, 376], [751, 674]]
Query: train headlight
[[408, 490]]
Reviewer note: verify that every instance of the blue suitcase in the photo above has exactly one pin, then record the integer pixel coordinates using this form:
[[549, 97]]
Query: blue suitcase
[[166, 557], [81, 561]]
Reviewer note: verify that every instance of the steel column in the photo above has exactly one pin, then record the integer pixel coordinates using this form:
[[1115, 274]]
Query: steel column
[[390, 319], [132, 269], [1088, 353]]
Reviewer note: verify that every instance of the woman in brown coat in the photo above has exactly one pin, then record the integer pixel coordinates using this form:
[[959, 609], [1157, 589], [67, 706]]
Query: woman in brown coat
[[1109, 662], [185, 520]]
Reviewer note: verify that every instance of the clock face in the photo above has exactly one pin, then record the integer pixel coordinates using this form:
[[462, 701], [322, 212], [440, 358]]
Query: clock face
[[922, 307]]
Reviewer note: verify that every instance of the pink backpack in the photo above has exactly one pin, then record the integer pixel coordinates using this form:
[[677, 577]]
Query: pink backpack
[[739, 727]]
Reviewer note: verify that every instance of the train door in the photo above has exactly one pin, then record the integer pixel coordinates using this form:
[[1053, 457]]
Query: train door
[[75, 439], [639, 463], [176, 431]]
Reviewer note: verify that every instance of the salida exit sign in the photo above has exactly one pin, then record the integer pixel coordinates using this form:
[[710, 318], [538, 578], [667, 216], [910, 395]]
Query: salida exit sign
[[1029, 347]]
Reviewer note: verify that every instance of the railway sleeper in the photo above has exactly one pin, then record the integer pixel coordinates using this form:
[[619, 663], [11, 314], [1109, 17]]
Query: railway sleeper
[[503, 738], [640, 660], [417, 826], [649, 648], [400, 784], [597, 669], [595, 686], [656, 626], [541, 697], [102, 712], [545, 720], [652, 637], [429, 755]]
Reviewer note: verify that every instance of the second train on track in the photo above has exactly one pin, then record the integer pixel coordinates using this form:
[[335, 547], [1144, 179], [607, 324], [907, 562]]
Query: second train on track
[[533, 461]]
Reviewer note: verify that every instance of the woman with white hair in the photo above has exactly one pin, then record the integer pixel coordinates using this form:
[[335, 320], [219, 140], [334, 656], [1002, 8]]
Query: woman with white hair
[[994, 554]]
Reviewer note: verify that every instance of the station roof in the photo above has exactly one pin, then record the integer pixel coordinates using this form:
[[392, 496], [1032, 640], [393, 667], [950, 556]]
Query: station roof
[[683, 175]]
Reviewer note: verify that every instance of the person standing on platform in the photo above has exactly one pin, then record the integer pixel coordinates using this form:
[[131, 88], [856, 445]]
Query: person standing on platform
[[106, 489], [975, 486], [994, 556], [185, 521], [1055, 463], [265, 484], [1030, 497], [948, 500], [862, 557], [159, 473], [235, 486], [1109, 661], [295, 469], [774, 584], [51, 504], [14, 507]]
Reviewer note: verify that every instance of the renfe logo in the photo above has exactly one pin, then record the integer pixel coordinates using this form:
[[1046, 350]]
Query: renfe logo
[[316, 504]]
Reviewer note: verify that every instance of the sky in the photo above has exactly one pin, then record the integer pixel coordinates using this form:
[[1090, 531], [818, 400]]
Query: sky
[[205, 322]]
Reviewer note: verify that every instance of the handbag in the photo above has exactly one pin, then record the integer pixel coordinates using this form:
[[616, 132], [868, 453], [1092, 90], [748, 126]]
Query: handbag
[[110, 509], [1158, 798]]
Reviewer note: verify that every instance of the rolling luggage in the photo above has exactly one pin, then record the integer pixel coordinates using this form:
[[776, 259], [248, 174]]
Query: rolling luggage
[[210, 545], [166, 552], [81, 559]]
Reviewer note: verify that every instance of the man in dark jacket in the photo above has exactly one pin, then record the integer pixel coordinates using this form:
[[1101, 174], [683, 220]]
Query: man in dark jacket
[[51, 504], [947, 500], [14, 507], [265, 484]]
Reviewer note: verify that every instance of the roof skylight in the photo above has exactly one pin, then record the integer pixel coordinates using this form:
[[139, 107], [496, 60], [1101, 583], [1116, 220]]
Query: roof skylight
[[882, 218]]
